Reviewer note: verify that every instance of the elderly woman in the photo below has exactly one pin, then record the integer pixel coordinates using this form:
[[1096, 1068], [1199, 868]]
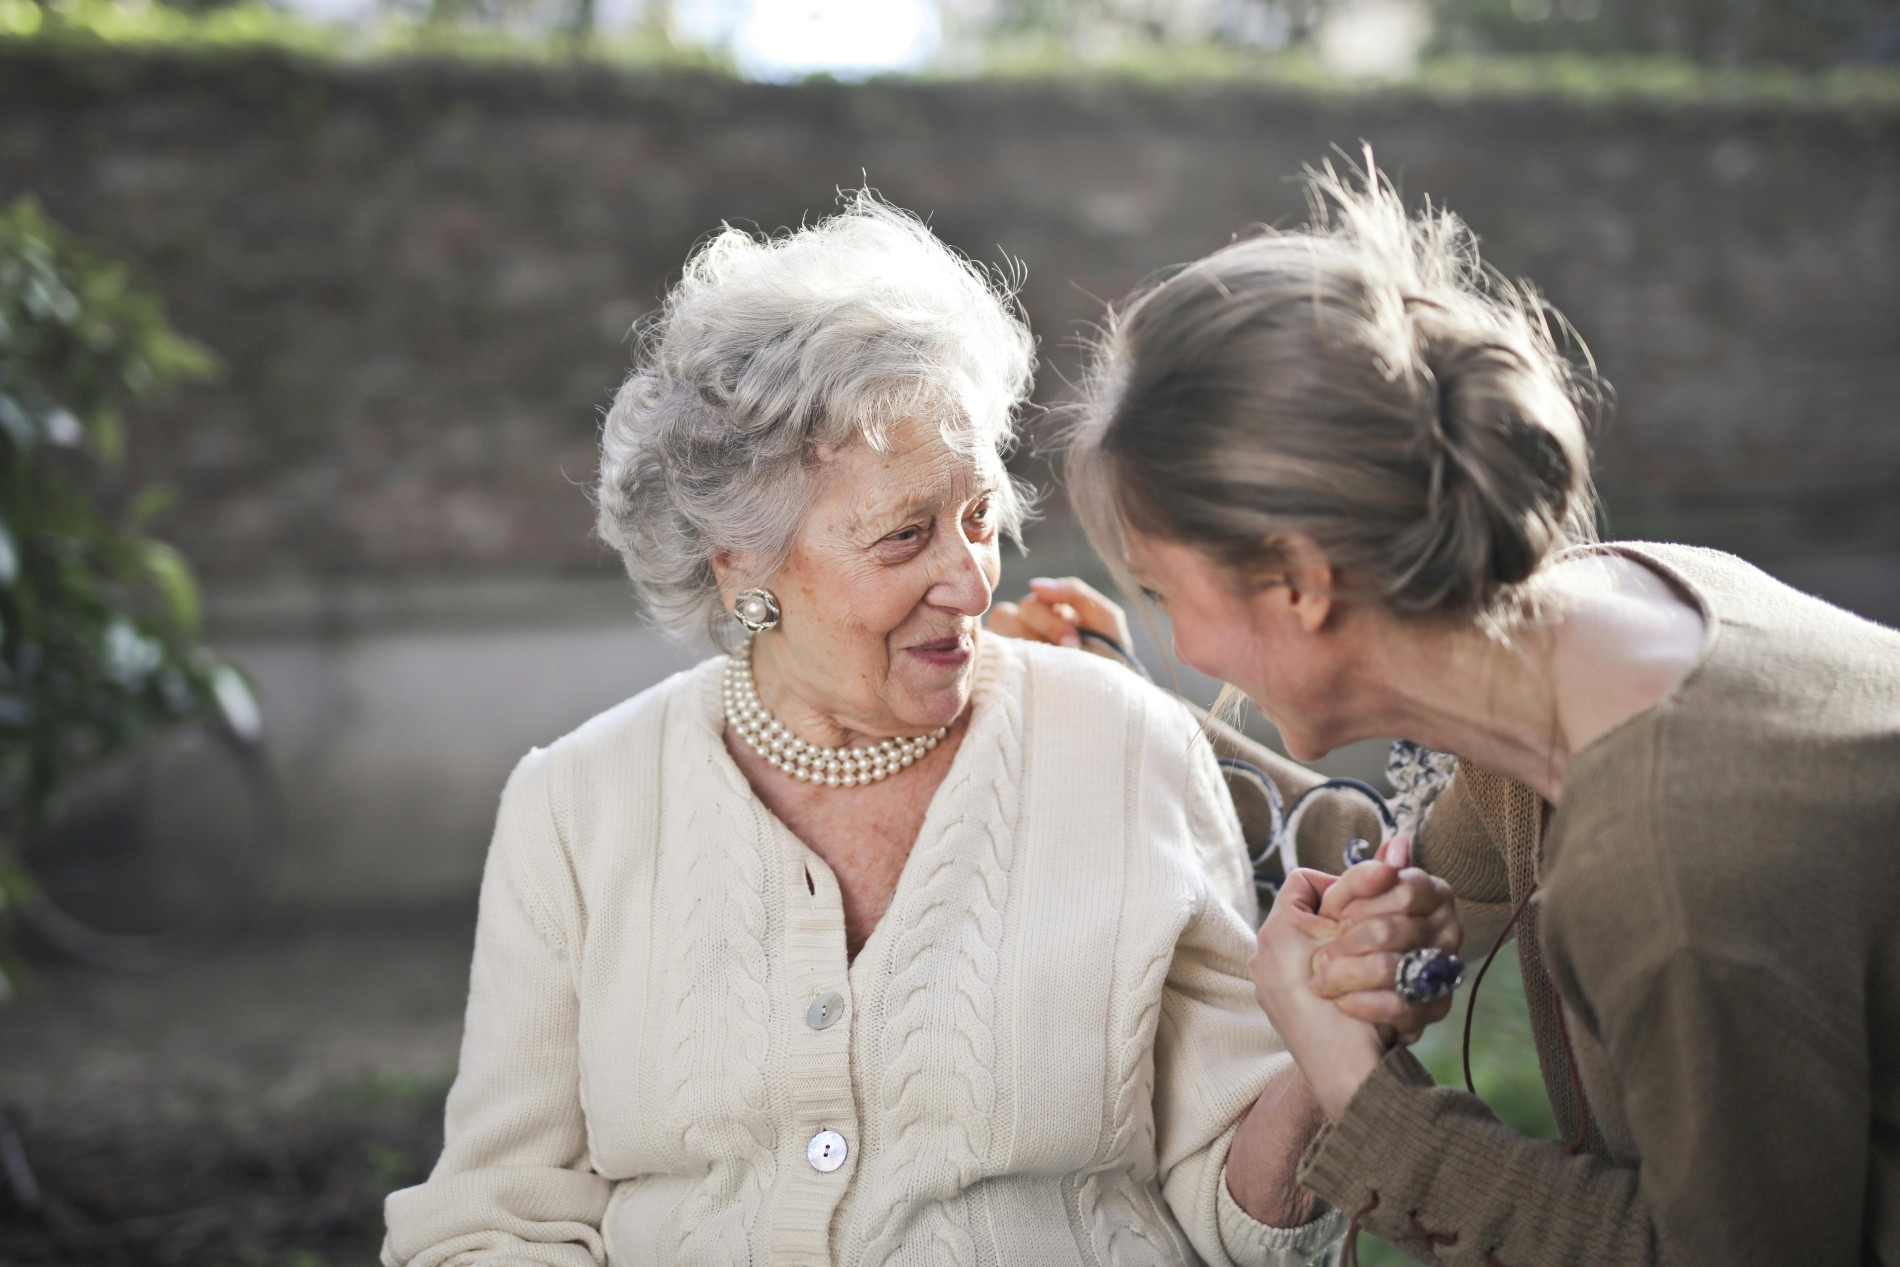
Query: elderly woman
[[878, 940], [1352, 468]]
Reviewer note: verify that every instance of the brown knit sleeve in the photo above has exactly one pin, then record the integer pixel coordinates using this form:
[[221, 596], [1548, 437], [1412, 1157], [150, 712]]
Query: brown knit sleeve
[[1433, 1171], [1458, 848]]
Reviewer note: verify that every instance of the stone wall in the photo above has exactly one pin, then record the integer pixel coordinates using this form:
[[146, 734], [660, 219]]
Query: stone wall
[[420, 279], [421, 276]]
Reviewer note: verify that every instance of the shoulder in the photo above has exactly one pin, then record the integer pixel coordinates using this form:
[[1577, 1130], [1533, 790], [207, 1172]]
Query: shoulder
[[1099, 733], [1074, 698], [606, 771], [618, 754], [1760, 610], [1068, 684], [1788, 727]]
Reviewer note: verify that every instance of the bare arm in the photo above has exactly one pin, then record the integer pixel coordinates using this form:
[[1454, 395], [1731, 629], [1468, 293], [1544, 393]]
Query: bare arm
[[1359, 923], [1263, 1166]]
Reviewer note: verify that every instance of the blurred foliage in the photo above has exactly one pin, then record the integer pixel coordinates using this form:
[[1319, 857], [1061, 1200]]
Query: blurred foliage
[[1503, 1068], [1273, 39], [508, 30], [1807, 33], [1812, 33], [1259, 23], [1560, 76], [1580, 77], [1503, 1051], [1262, 42], [98, 621]]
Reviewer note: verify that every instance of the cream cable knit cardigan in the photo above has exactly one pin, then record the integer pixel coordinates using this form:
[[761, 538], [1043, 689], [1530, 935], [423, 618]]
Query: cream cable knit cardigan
[[1046, 1047]]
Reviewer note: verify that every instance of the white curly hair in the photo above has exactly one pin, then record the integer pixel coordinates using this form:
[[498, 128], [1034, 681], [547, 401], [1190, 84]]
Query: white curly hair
[[770, 352]]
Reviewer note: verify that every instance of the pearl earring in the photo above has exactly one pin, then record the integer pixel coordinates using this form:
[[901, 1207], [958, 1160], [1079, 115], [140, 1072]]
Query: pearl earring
[[756, 609]]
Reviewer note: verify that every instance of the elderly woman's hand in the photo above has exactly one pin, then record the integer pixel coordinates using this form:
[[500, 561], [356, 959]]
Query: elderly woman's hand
[[1057, 611], [1383, 908], [1334, 1050]]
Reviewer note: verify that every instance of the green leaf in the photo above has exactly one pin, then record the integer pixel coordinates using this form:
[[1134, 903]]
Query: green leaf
[[16, 886], [107, 430], [172, 575], [148, 503], [175, 358]]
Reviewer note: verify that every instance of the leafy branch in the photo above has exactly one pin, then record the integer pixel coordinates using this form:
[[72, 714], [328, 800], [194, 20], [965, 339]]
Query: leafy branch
[[99, 621]]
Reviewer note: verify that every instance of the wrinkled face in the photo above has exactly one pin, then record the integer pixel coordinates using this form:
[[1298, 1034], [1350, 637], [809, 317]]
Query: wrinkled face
[[1249, 634], [886, 586]]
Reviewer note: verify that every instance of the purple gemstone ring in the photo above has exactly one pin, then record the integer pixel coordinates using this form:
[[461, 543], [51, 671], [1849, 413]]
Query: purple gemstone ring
[[1424, 975]]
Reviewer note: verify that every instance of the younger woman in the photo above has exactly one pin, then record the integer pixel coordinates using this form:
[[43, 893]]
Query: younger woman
[[1350, 465]]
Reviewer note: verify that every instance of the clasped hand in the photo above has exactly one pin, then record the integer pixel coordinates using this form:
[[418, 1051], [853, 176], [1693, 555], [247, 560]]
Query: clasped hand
[[1327, 959]]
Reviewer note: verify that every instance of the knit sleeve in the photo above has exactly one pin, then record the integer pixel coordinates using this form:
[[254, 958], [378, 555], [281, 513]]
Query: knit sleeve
[[1456, 846], [513, 1184], [1433, 1171], [1215, 1052]]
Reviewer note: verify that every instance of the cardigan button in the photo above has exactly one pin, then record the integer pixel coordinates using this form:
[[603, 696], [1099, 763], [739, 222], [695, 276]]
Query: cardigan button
[[825, 1009], [826, 1151]]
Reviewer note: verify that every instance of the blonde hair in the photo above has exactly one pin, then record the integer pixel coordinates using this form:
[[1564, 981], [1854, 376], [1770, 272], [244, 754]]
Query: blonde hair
[[1363, 380]]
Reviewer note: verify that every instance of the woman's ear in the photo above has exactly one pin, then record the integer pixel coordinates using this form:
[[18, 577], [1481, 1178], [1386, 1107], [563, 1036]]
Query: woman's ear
[[722, 566], [1309, 581]]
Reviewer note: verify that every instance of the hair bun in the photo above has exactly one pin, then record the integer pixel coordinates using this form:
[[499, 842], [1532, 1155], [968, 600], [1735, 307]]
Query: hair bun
[[1502, 485], [1364, 382]]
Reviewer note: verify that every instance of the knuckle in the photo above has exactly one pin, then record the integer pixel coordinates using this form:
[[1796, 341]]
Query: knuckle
[[1375, 972], [1385, 1009]]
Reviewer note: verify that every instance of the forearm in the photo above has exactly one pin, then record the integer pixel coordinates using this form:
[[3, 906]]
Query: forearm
[[1264, 1162], [1430, 1167]]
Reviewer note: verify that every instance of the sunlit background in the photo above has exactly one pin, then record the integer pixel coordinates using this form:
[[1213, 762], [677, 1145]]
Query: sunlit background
[[413, 236], [850, 39], [855, 39]]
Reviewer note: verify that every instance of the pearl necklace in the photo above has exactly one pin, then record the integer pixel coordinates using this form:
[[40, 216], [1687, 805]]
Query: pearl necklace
[[831, 767]]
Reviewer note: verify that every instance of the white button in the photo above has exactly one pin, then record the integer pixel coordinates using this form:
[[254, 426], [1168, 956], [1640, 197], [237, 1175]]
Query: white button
[[825, 1009], [826, 1151]]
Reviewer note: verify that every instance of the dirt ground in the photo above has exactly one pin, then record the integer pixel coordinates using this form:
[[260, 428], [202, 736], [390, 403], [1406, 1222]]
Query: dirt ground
[[247, 1110]]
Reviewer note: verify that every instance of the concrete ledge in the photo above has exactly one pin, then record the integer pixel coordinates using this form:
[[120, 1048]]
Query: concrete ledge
[[293, 606]]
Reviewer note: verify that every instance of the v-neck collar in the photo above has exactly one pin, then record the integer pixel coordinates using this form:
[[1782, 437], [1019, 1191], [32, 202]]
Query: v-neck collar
[[998, 661]]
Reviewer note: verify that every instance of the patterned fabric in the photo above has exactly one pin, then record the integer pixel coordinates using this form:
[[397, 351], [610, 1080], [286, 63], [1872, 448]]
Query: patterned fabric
[[1417, 776]]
